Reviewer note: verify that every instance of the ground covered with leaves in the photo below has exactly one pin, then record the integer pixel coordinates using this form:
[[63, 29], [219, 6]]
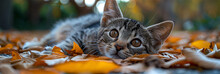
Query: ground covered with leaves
[[199, 51]]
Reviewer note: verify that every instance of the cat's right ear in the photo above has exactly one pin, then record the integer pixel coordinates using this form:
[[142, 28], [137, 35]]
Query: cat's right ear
[[161, 30], [111, 11]]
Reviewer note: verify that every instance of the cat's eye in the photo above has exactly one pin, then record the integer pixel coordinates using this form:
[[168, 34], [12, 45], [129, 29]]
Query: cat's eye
[[113, 33], [136, 42]]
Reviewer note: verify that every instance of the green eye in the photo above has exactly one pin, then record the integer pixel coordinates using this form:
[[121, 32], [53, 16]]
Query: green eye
[[136, 42], [114, 33]]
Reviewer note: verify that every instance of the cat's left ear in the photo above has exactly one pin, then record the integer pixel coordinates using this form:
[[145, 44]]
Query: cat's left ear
[[161, 30], [111, 11]]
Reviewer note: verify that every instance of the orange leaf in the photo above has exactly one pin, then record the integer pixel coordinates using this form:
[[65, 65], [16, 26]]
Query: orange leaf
[[38, 71], [57, 50], [8, 46], [173, 39], [200, 44], [218, 45], [15, 56], [76, 49], [90, 66]]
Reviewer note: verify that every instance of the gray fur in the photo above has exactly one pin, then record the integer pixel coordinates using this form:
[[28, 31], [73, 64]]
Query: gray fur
[[93, 35]]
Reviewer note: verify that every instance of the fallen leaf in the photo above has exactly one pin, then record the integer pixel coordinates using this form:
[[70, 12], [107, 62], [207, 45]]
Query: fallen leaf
[[218, 45], [205, 51], [38, 48], [57, 50], [15, 56], [76, 48], [39, 71], [180, 62], [7, 47], [200, 44], [173, 39], [24, 63], [177, 51], [200, 59], [91, 66], [40, 61]]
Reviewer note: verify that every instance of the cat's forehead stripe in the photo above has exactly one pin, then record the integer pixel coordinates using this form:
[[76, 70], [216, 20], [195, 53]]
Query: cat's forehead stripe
[[132, 25]]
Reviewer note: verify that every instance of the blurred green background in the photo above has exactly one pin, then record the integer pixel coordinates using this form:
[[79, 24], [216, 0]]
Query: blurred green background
[[42, 14]]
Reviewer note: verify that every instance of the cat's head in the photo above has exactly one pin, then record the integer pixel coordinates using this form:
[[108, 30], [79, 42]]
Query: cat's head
[[121, 37]]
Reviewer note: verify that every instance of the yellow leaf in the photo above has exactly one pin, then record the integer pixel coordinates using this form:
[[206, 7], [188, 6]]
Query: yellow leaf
[[90, 66], [200, 44], [15, 56], [57, 50], [76, 49]]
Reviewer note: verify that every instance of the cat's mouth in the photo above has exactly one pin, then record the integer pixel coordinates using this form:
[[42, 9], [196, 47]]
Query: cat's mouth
[[110, 51]]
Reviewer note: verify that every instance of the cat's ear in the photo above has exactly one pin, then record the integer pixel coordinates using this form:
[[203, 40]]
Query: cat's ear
[[111, 11], [161, 30]]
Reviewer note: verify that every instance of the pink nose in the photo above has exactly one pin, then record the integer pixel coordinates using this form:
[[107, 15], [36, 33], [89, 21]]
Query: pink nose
[[118, 47]]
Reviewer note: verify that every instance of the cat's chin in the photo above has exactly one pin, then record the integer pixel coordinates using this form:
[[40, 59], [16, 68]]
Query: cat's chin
[[115, 57]]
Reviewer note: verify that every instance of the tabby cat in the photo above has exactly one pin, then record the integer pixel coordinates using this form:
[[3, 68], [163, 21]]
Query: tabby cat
[[114, 36]]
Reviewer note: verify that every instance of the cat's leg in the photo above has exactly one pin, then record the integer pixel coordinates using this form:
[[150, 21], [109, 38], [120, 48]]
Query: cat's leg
[[58, 34], [35, 43]]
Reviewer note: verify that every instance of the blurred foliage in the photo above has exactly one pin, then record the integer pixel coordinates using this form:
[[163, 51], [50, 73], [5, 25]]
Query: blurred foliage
[[187, 14], [49, 14]]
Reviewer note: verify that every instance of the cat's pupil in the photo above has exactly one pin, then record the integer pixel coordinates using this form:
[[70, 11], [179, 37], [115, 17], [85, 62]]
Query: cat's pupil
[[136, 42], [113, 33]]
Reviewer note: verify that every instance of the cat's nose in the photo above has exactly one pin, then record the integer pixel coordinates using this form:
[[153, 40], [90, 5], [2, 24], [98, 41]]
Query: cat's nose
[[118, 47]]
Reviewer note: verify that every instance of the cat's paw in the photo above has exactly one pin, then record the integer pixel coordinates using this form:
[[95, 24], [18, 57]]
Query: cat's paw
[[48, 48], [31, 45], [153, 61]]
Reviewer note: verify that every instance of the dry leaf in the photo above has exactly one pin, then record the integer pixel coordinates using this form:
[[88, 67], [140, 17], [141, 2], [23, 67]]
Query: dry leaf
[[7, 49], [25, 63], [57, 50], [15, 56], [218, 44], [200, 59], [39, 71], [40, 61], [173, 39], [180, 62], [76, 48], [90, 66]]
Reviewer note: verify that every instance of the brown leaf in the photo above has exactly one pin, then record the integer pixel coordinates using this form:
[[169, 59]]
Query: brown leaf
[[39, 71], [40, 61], [57, 50]]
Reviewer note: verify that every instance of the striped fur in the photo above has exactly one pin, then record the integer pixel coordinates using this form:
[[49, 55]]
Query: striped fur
[[94, 36]]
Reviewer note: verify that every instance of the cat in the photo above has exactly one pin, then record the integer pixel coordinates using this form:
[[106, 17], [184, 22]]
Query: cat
[[109, 34]]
